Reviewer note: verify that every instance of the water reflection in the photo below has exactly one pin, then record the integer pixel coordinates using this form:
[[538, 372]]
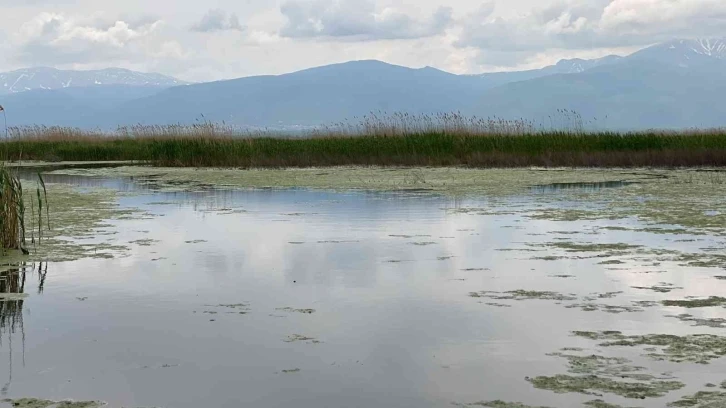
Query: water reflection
[[593, 186], [12, 300], [12, 289]]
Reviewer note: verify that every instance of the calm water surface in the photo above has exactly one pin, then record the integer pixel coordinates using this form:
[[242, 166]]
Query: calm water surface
[[387, 275]]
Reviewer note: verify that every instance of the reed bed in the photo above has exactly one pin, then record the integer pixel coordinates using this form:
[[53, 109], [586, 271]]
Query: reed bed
[[377, 139], [13, 215]]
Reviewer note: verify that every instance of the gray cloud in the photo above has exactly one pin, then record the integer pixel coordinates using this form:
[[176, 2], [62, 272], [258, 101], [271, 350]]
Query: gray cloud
[[218, 20], [357, 20], [587, 25]]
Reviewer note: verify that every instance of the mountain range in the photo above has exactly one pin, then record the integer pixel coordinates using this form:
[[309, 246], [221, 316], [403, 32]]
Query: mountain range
[[44, 78], [677, 84]]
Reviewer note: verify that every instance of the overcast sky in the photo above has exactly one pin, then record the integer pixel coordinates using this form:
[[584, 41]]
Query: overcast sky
[[215, 39]]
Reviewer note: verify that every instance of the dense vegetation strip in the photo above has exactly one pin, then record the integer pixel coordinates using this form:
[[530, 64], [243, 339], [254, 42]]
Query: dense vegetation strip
[[418, 148]]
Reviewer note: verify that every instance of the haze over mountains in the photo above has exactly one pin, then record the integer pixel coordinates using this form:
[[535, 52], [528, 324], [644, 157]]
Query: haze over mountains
[[671, 85]]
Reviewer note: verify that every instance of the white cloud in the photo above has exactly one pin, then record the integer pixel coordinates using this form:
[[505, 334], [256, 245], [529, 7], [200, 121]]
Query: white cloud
[[52, 39], [582, 25], [469, 37], [218, 20], [659, 16], [358, 20]]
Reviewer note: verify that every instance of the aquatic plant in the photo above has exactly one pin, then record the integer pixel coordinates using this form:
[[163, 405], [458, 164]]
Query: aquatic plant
[[13, 227]]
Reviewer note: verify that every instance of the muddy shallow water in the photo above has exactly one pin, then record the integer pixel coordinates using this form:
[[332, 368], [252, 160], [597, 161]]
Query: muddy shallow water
[[305, 298]]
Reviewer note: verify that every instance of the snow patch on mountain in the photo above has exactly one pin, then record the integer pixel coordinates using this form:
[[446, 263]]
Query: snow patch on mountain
[[710, 47], [578, 65], [49, 78]]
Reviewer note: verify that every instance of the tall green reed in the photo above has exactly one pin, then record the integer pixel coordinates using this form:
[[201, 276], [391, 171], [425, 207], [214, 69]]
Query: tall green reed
[[13, 228]]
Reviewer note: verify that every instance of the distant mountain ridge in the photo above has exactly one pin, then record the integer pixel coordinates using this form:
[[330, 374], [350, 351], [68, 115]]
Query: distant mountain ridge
[[684, 53], [30, 79], [676, 84]]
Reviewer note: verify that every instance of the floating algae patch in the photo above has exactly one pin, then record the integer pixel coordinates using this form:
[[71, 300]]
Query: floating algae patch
[[82, 404], [705, 259], [691, 303], [568, 214], [604, 295], [236, 308], [662, 287], [291, 310], [678, 198], [589, 247], [652, 230], [694, 348], [548, 258], [523, 295], [684, 201], [594, 374], [29, 403], [594, 385], [602, 404], [614, 309], [646, 303], [593, 186], [702, 399], [40, 403], [144, 242], [294, 338], [616, 367], [452, 180], [611, 262], [588, 304], [497, 404], [75, 215], [696, 321], [479, 211]]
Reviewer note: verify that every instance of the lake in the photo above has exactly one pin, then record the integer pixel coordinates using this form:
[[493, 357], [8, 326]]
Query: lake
[[227, 297]]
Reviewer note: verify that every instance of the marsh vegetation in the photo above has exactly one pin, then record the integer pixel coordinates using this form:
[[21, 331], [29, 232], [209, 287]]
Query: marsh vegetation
[[382, 140]]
